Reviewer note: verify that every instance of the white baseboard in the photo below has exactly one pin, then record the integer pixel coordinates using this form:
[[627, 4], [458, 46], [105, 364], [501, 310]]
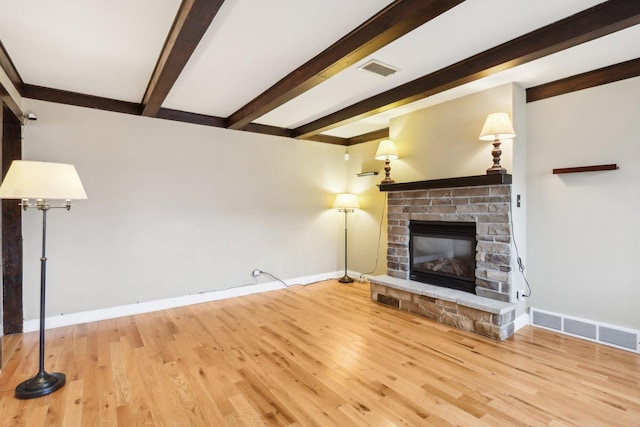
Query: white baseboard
[[521, 321], [163, 304]]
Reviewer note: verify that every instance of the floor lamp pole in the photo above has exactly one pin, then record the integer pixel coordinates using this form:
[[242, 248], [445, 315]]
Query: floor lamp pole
[[44, 382], [345, 278]]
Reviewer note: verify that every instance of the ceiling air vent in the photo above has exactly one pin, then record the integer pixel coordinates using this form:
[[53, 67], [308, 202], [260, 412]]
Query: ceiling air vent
[[378, 68]]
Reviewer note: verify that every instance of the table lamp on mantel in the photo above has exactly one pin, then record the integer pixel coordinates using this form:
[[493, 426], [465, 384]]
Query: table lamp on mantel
[[387, 152], [346, 203], [497, 127], [41, 182]]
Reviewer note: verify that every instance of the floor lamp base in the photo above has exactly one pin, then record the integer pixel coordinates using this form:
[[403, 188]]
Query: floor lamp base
[[345, 279], [40, 385]]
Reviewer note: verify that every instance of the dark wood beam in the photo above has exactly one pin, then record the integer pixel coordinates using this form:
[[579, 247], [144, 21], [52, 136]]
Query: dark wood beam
[[12, 311], [79, 99], [10, 103], [194, 118], [603, 19], [370, 136], [388, 25], [7, 65], [610, 74], [268, 130], [192, 21], [328, 139]]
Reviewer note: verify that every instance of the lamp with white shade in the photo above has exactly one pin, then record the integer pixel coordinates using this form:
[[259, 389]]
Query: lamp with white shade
[[496, 127], [387, 152], [346, 203], [43, 182]]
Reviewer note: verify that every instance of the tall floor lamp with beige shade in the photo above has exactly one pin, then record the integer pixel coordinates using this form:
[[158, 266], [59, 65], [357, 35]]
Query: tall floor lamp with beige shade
[[346, 203], [42, 182]]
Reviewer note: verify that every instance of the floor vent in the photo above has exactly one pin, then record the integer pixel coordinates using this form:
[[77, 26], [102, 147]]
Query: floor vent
[[614, 336], [378, 68]]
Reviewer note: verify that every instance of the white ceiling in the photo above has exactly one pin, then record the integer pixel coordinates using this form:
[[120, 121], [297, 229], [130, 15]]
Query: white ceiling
[[109, 49]]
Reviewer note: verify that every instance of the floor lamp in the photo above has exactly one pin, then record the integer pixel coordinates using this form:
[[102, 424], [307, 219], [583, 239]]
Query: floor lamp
[[346, 203], [28, 180]]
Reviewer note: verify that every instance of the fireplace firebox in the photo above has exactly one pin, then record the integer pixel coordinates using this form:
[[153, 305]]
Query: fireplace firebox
[[443, 254]]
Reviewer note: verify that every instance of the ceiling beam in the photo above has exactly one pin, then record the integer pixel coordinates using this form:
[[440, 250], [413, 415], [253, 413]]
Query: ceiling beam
[[328, 139], [192, 21], [268, 130], [386, 26], [370, 136], [79, 99], [7, 65], [11, 104], [582, 27], [193, 118], [601, 76]]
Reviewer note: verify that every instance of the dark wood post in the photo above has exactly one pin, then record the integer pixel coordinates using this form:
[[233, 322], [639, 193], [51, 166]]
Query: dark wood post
[[12, 313]]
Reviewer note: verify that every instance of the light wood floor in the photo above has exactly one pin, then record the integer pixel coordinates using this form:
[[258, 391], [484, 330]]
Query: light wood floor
[[320, 355]]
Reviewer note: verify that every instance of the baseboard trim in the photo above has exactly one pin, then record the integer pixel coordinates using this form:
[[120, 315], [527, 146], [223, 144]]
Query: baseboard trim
[[521, 321], [590, 330], [163, 304]]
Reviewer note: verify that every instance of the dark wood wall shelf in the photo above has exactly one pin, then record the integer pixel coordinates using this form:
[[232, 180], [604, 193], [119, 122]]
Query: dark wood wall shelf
[[595, 168]]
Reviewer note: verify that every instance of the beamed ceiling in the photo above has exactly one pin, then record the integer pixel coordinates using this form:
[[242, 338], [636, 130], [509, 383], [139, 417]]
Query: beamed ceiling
[[290, 67]]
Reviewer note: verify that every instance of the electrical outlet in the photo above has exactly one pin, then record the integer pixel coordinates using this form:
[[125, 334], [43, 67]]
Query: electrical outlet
[[519, 295], [256, 272]]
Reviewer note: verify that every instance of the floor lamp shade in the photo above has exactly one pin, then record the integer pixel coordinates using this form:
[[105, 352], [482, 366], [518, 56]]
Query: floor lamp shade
[[346, 201], [44, 182]]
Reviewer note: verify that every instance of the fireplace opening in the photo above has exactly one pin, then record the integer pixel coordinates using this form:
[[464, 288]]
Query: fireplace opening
[[443, 254]]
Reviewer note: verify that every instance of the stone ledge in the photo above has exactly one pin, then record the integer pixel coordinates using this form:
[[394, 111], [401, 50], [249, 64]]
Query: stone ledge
[[452, 295], [487, 317]]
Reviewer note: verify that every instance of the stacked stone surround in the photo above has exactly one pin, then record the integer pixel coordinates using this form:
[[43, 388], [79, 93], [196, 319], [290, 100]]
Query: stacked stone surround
[[487, 206], [490, 312]]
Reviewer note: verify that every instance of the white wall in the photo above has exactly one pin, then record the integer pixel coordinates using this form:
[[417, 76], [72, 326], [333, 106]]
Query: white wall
[[176, 209], [583, 228], [368, 227], [442, 141]]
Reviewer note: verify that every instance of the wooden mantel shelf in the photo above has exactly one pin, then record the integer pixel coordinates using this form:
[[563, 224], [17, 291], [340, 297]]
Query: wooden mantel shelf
[[463, 181], [609, 167]]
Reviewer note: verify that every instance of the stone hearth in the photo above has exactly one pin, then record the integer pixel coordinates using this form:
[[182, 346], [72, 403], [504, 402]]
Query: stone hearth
[[463, 310], [483, 200]]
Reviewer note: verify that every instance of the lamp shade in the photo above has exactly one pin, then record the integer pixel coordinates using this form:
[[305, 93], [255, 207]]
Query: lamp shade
[[41, 180], [346, 201], [386, 150], [497, 126]]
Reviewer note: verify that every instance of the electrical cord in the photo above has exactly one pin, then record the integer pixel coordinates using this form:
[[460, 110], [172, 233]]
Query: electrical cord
[[274, 277], [384, 205], [283, 282], [518, 259]]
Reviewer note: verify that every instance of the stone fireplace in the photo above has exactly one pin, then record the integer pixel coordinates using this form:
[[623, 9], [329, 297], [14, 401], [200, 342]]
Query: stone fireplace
[[486, 306]]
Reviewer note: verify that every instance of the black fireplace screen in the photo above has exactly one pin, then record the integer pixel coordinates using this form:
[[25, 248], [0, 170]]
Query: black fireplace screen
[[443, 253]]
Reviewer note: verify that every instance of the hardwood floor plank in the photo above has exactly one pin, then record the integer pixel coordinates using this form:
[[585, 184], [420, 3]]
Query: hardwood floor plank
[[320, 355]]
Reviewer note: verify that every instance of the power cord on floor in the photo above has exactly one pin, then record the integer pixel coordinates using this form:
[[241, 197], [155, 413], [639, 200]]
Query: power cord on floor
[[518, 259], [384, 205], [257, 272]]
